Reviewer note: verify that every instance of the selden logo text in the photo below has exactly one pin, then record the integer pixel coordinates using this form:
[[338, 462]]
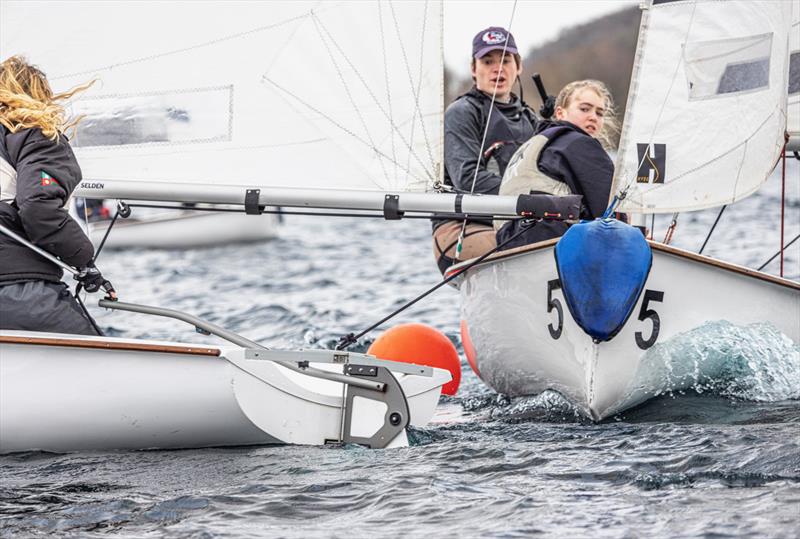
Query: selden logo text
[[92, 185]]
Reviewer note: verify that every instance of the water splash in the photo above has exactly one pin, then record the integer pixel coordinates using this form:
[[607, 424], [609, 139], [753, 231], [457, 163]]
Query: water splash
[[546, 407], [754, 363]]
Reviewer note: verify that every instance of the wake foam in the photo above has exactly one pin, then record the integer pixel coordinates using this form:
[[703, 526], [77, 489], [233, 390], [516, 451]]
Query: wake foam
[[754, 363]]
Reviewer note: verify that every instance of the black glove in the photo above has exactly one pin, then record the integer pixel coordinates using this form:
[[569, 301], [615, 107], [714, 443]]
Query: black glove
[[92, 280], [548, 107]]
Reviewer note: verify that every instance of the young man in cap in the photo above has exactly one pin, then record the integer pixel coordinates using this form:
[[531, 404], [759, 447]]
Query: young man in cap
[[489, 107]]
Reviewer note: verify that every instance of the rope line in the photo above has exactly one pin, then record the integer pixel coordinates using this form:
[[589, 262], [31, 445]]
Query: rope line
[[347, 340]]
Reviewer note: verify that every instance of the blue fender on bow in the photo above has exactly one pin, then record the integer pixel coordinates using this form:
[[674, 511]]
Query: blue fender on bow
[[603, 266]]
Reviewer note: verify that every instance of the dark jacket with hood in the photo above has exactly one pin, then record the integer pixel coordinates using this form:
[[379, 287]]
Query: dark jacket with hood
[[510, 124], [575, 158], [579, 160], [46, 174]]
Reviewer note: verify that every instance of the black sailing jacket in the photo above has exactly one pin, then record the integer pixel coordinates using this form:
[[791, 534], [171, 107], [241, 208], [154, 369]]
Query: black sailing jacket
[[47, 173]]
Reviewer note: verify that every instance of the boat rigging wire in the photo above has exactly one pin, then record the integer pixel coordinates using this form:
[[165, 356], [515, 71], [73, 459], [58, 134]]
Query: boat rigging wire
[[85, 310], [652, 225], [721, 211], [460, 244], [347, 340], [783, 201], [764, 265], [123, 210]]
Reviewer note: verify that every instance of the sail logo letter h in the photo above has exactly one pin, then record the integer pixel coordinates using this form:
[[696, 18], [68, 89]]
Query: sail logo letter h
[[652, 161]]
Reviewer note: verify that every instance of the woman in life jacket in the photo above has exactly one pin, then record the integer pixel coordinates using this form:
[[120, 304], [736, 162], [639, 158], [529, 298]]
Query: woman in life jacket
[[565, 156], [474, 164], [38, 173]]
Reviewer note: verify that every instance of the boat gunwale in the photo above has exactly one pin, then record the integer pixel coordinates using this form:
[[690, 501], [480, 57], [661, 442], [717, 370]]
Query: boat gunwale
[[668, 249], [110, 345]]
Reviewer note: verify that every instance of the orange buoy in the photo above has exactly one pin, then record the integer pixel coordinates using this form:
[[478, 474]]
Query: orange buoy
[[421, 345], [469, 349]]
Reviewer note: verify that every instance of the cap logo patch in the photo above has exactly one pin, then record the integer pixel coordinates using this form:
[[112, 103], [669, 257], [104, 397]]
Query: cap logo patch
[[493, 37]]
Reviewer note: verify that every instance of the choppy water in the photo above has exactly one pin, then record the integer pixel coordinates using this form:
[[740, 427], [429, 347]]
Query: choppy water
[[720, 461]]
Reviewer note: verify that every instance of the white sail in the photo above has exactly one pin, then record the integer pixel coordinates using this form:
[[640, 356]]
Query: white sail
[[287, 94], [706, 119], [793, 112]]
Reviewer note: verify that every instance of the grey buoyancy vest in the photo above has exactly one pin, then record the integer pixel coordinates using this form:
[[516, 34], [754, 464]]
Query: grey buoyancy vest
[[523, 176]]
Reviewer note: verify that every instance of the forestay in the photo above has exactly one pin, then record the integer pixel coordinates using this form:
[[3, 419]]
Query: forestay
[[706, 116], [344, 95]]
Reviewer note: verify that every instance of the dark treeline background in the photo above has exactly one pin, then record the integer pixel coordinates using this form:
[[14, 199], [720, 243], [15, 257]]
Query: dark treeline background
[[601, 49]]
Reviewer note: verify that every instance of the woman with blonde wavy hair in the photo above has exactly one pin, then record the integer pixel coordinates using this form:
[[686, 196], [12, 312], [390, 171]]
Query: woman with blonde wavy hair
[[38, 173], [567, 156]]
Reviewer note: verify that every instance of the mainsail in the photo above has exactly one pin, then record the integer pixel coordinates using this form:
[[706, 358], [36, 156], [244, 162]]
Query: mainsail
[[313, 95], [707, 113]]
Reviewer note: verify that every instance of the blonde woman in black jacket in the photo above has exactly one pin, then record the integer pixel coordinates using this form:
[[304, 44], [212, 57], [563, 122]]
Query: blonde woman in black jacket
[[38, 173]]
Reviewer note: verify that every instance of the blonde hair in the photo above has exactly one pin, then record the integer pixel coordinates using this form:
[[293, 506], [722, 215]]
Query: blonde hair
[[610, 125], [27, 101]]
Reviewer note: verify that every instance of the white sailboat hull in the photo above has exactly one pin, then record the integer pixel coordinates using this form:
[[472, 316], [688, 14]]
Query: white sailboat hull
[[74, 393], [505, 309], [187, 229]]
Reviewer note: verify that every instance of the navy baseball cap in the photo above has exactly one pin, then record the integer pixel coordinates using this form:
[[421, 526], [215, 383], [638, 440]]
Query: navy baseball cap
[[492, 39]]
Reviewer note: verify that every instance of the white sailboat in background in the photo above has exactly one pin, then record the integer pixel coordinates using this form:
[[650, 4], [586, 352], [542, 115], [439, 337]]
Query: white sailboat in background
[[704, 127], [184, 229]]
